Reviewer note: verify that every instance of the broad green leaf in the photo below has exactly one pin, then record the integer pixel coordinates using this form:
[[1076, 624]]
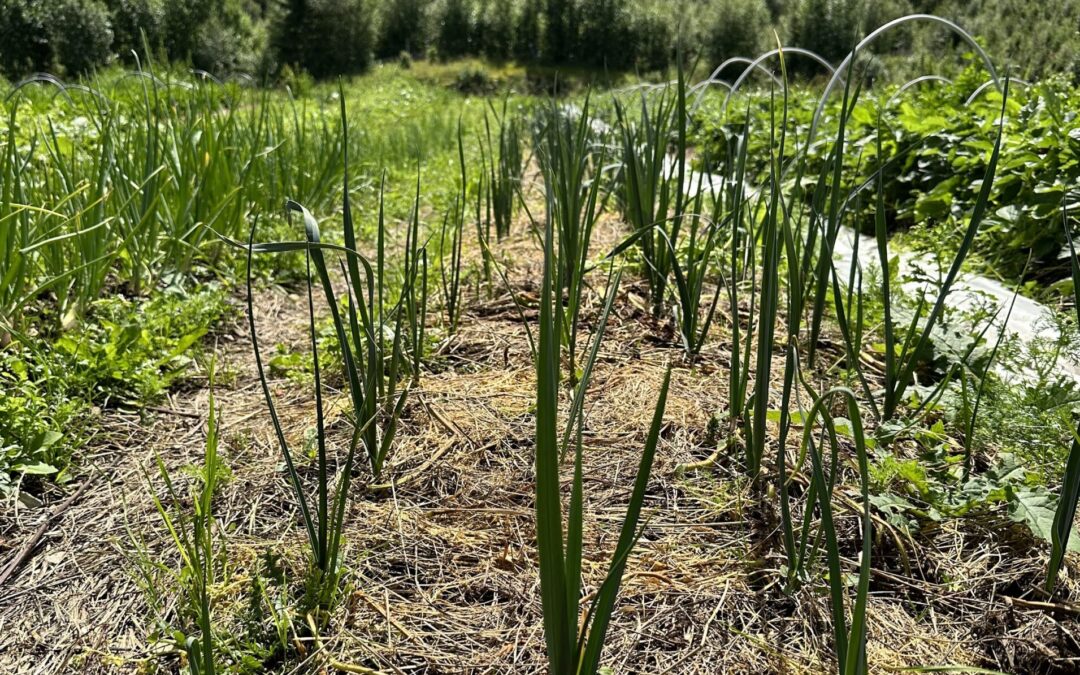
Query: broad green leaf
[[1035, 508]]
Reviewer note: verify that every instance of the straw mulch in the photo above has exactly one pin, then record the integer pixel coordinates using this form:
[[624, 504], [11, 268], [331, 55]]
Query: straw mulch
[[442, 561]]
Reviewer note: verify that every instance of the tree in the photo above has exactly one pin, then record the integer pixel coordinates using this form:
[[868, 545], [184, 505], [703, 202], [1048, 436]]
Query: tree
[[604, 40], [828, 27], [560, 36], [402, 28], [453, 36], [324, 37], [736, 28], [527, 38]]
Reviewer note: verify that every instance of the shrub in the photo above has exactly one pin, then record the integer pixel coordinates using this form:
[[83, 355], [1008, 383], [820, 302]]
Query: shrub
[[24, 43], [83, 37], [472, 79], [736, 28], [232, 39], [70, 36]]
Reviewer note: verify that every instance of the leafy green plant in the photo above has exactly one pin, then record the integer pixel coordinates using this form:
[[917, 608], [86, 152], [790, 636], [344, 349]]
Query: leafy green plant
[[932, 163], [127, 352]]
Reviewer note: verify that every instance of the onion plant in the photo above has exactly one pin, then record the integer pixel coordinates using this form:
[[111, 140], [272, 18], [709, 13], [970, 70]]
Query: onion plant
[[415, 269], [16, 223], [572, 648], [652, 200], [692, 271], [849, 643], [570, 163], [483, 230], [735, 209], [324, 521], [899, 370], [1065, 513], [769, 307], [450, 242], [502, 159], [902, 351], [658, 203], [760, 230], [451, 239], [373, 369]]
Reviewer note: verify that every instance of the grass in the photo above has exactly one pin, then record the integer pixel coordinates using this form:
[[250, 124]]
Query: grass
[[201, 552]]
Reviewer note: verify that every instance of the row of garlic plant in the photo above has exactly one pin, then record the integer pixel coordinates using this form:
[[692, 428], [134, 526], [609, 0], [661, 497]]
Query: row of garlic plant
[[127, 188], [379, 326], [126, 184], [780, 238]]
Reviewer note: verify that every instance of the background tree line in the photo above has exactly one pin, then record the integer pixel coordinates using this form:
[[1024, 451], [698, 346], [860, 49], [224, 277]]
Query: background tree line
[[330, 37]]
